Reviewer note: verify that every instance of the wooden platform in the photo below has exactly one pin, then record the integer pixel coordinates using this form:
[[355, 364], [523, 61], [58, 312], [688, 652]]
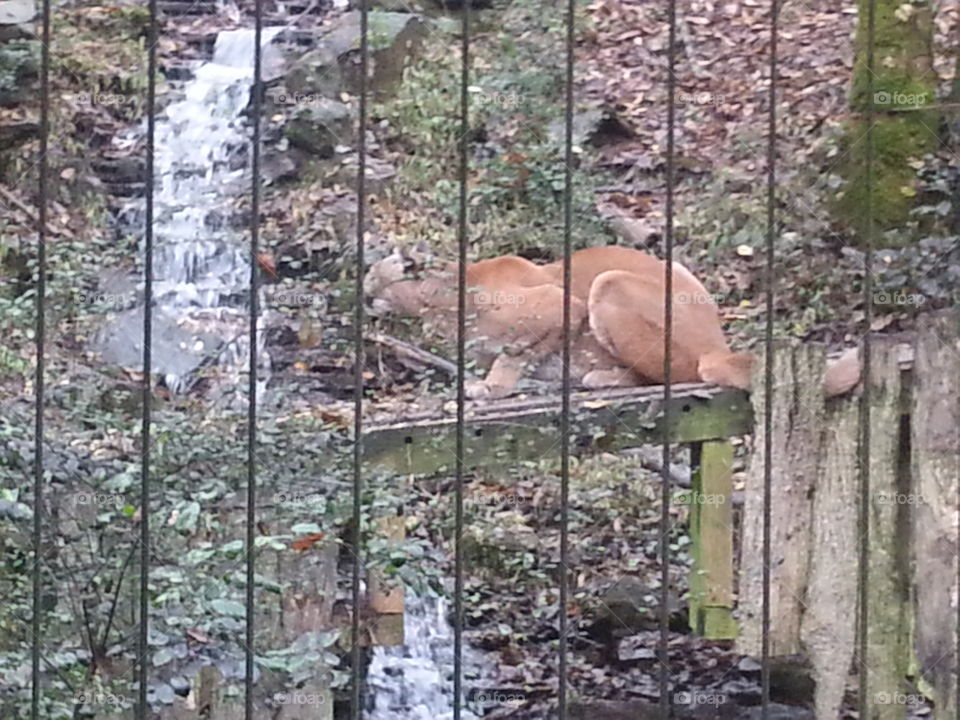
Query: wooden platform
[[504, 432]]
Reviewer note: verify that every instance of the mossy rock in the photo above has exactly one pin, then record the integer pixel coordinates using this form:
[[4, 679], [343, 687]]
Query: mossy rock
[[320, 126]]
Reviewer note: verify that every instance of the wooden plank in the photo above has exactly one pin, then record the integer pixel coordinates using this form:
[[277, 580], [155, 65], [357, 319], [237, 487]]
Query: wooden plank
[[386, 597], [711, 532], [828, 626], [935, 445], [503, 433], [796, 425], [888, 617]]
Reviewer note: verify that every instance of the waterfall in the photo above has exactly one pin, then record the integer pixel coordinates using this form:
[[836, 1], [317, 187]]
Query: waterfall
[[415, 681], [201, 243]]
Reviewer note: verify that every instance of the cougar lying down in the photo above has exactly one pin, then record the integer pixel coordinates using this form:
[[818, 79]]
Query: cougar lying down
[[515, 321]]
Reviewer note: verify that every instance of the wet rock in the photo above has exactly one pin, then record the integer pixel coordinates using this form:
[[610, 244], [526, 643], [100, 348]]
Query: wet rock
[[278, 166], [315, 74], [17, 12], [320, 126], [377, 173], [178, 349], [19, 64], [396, 38]]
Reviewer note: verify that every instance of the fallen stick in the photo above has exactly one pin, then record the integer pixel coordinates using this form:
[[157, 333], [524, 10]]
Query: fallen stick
[[410, 351], [22, 207]]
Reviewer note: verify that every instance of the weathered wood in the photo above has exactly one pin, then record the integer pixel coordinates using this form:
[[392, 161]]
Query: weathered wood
[[503, 433], [935, 444], [828, 626], [385, 597], [796, 424], [711, 532], [888, 652]]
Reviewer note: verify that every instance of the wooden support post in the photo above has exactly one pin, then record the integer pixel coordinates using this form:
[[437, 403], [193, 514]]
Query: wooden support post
[[935, 433], [888, 627], [711, 531], [386, 597], [796, 435]]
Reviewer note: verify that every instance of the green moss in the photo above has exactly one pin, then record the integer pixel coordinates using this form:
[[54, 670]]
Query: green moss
[[897, 140], [899, 90]]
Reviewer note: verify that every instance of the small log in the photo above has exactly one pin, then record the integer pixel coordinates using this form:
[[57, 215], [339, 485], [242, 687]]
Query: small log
[[935, 444]]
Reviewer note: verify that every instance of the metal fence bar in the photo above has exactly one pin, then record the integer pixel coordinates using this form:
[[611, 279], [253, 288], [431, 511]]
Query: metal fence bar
[[863, 561], [666, 487], [565, 408], [462, 242], [252, 369], [40, 338], [356, 669], [769, 360], [142, 709]]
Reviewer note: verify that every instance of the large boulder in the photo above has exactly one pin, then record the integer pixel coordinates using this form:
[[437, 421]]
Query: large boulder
[[319, 126], [395, 40], [16, 18]]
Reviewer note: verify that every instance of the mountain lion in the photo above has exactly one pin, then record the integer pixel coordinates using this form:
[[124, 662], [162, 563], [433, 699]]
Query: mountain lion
[[515, 320]]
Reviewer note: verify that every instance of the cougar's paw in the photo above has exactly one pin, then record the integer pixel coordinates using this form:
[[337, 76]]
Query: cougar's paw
[[477, 390]]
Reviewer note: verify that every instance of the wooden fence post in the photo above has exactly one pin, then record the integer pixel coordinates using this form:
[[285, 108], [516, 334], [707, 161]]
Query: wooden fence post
[[711, 531], [935, 422], [796, 425]]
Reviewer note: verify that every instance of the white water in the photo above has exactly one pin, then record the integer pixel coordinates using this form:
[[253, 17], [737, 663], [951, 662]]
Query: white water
[[201, 244], [414, 681], [201, 164]]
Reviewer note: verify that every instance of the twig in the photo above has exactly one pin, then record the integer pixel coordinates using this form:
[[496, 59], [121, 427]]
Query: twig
[[410, 351], [19, 204]]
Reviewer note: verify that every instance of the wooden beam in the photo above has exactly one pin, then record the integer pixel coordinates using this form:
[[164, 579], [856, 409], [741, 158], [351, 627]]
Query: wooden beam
[[711, 532], [505, 432]]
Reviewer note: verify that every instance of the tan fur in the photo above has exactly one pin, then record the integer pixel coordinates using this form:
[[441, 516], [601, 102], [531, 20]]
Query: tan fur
[[515, 320]]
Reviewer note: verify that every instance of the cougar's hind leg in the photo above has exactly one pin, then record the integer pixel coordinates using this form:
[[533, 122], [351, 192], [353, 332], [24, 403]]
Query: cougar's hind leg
[[610, 377]]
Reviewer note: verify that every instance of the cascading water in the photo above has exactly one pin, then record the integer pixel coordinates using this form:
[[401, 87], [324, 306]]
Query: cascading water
[[201, 256], [414, 681]]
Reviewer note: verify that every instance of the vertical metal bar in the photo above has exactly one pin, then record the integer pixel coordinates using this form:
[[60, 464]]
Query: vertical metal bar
[[38, 383], [142, 710], [252, 369], [565, 409], [461, 359], [666, 489], [863, 560], [769, 360], [358, 361]]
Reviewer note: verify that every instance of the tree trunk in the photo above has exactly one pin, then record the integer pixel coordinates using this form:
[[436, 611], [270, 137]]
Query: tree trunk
[[902, 91]]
